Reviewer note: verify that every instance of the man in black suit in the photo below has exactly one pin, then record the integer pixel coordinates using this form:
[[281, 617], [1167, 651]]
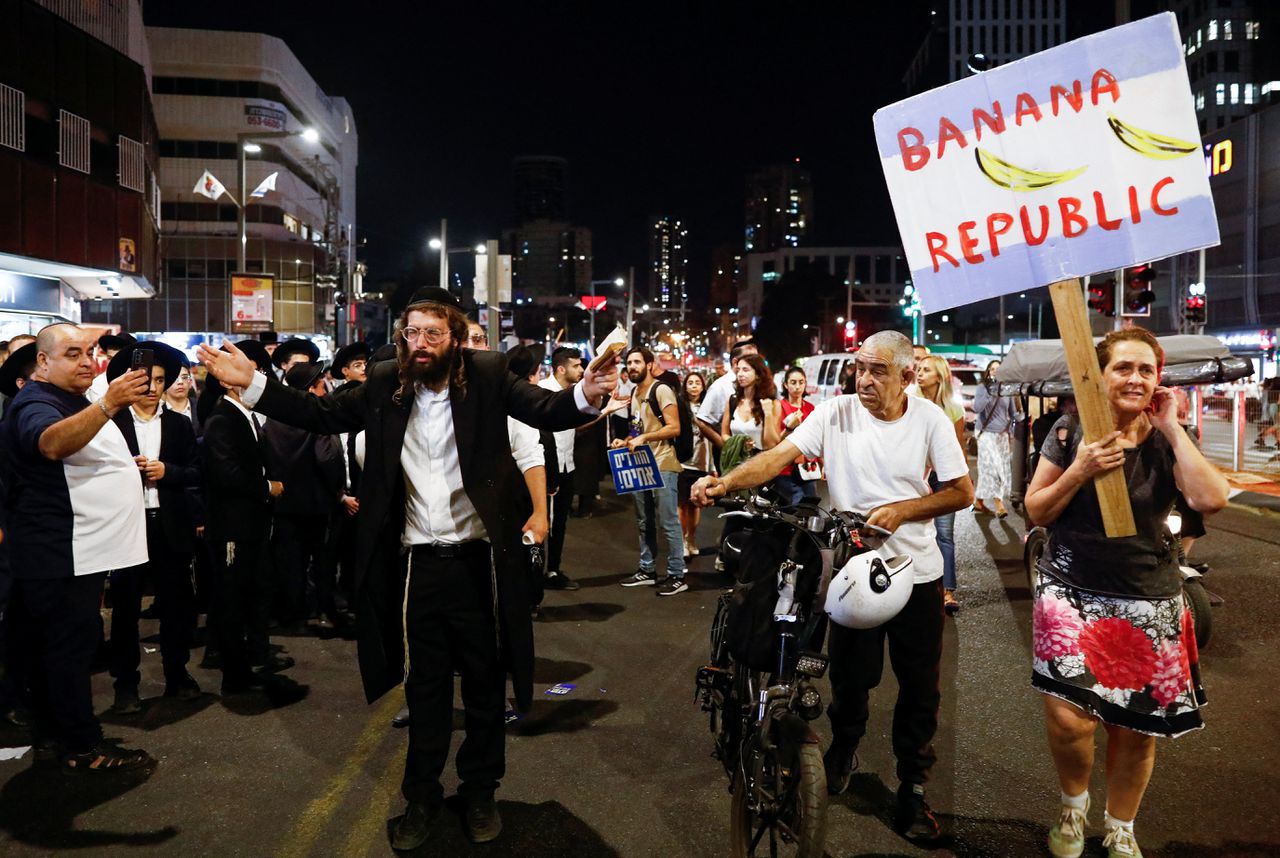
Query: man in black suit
[[440, 563], [311, 468], [163, 445], [238, 497]]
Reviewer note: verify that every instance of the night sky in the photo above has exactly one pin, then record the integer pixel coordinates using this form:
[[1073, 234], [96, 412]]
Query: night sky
[[660, 108]]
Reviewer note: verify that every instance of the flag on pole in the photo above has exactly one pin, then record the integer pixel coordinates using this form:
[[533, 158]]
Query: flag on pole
[[209, 186], [267, 184]]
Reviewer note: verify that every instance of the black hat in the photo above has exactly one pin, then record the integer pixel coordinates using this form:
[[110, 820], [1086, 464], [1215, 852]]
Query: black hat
[[435, 295], [347, 354], [20, 365], [387, 351], [523, 360], [302, 376], [268, 337], [116, 341], [257, 353], [166, 355], [293, 346]]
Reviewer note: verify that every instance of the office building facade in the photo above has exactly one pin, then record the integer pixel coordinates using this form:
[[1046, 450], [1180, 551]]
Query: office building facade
[[779, 207], [668, 262]]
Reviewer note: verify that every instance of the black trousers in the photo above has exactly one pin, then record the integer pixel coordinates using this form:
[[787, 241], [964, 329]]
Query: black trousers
[[296, 541], [170, 571], [450, 626], [561, 506], [915, 653], [242, 594], [61, 626]]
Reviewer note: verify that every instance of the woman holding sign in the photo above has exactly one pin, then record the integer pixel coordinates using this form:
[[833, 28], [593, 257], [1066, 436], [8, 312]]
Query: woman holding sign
[[1113, 641]]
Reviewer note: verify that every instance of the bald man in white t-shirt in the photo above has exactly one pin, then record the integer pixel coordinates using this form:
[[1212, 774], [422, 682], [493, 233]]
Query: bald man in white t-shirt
[[878, 448]]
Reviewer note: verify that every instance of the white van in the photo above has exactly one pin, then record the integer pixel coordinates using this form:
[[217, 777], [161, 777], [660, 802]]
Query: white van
[[823, 373]]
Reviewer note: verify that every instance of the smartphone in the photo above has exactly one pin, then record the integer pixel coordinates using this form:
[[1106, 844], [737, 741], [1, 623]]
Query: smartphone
[[143, 359]]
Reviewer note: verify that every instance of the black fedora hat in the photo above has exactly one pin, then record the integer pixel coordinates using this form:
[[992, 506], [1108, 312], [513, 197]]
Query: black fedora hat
[[302, 376], [166, 356], [294, 346], [116, 341], [347, 354], [434, 295], [256, 352], [19, 365]]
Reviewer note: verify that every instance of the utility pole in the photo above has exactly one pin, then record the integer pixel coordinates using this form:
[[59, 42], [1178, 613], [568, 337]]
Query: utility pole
[[491, 275], [631, 300], [444, 256]]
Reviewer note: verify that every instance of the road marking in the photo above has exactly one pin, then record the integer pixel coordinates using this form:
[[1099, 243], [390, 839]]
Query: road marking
[[370, 829], [306, 831]]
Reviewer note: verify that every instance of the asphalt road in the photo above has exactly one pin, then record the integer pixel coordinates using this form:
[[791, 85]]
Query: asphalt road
[[621, 765]]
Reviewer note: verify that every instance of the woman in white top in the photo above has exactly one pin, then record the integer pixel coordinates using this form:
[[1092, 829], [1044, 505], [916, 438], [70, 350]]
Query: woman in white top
[[701, 463], [753, 408]]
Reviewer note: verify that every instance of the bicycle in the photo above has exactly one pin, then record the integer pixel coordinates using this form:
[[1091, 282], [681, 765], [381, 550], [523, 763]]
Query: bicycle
[[766, 651]]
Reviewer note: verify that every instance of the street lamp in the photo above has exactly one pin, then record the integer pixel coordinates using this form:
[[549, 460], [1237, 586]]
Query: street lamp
[[438, 245]]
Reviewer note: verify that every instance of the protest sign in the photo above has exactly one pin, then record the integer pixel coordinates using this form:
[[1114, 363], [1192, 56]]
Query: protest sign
[[634, 470], [1082, 158]]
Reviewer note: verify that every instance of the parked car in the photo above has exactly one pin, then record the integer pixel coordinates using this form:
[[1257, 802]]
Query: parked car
[[824, 373]]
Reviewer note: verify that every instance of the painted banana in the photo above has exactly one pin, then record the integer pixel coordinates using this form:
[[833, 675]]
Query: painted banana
[[1016, 178], [1148, 143]]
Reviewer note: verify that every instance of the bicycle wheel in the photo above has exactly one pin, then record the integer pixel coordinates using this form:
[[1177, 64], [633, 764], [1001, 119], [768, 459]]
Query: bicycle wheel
[[800, 830]]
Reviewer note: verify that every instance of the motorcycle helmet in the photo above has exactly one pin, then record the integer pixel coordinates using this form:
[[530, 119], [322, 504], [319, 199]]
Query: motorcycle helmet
[[870, 590]]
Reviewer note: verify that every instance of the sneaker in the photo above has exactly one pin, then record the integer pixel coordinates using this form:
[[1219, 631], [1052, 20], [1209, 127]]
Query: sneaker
[[913, 817], [127, 702], [1121, 843], [719, 564], [641, 579], [1066, 838], [412, 828], [840, 762], [559, 581], [672, 586], [183, 687]]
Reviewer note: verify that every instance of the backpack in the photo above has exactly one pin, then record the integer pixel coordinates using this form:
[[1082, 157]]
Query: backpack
[[684, 441]]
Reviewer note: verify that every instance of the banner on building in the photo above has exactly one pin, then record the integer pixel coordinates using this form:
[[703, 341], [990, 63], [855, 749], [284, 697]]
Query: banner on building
[[251, 301], [634, 470], [126, 255], [1082, 158], [268, 115]]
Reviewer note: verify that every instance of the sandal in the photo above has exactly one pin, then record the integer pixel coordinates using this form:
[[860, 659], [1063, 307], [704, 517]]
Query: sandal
[[950, 603], [106, 758]]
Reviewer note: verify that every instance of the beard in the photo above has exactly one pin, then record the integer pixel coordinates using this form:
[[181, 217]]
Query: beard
[[431, 373], [637, 376]]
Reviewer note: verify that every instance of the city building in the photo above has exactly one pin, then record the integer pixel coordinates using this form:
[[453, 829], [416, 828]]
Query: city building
[[1242, 274], [1233, 57], [967, 36], [872, 276], [779, 207], [668, 262], [550, 261], [215, 92], [79, 202], [541, 188]]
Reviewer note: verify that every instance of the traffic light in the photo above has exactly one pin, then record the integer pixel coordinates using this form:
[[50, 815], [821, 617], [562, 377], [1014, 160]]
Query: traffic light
[[1137, 291], [1194, 310], [1102, 297], [850, 334]]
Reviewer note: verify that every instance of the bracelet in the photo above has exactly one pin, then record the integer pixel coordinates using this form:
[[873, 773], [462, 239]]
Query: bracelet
[[103, 406]]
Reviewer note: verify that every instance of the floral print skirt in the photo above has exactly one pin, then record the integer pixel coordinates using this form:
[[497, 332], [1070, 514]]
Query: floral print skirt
[[1132, 663]]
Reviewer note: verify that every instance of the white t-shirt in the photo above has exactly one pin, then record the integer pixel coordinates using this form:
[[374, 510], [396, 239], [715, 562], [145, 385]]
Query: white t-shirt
[[870, 463], [716, 399]]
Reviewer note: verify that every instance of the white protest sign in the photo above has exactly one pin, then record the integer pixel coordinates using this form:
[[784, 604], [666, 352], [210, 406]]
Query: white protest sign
[[1082, 158]]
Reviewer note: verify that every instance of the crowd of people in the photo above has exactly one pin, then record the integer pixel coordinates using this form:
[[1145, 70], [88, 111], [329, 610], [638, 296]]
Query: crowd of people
[[427, 486]]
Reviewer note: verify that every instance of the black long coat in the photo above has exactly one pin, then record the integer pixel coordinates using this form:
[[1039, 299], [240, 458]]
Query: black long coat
[[489, 476], [180, 455]]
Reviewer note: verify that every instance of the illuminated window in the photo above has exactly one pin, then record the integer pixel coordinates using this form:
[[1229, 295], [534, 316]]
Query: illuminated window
[[1270, 87], [1226, 31], [1213, 30], [1199, 101], [1235, 93], [1248, 93], [1220, 94], [1252, 30]]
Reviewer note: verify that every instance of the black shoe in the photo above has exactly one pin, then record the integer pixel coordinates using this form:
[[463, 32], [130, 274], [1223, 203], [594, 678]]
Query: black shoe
[[243, 684], [401, 719], [840, 762], [672, 586], [106, 758], [212, 659], [559, 581], [483, 822], [183, 687], [912, 818], [412, 829], [275, 664], [127, 702]]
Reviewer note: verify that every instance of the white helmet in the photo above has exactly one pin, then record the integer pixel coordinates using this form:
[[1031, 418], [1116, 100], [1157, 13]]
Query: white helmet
[[870, 590]]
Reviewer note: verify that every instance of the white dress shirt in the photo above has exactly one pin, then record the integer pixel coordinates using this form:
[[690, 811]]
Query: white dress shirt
[[564, 438], [436, 508], [716, 399], [526, 445], [148, 433]]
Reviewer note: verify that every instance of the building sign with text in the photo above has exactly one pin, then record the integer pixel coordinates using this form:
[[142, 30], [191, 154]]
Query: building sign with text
[[251, 301]]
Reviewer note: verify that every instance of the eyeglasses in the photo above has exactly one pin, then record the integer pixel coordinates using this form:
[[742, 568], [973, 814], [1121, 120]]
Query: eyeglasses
[[433, 336], [479, 339], [185, 377], [357, 364]]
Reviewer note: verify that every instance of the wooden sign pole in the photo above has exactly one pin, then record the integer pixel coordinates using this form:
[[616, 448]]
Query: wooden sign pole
[[1091, 400]]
